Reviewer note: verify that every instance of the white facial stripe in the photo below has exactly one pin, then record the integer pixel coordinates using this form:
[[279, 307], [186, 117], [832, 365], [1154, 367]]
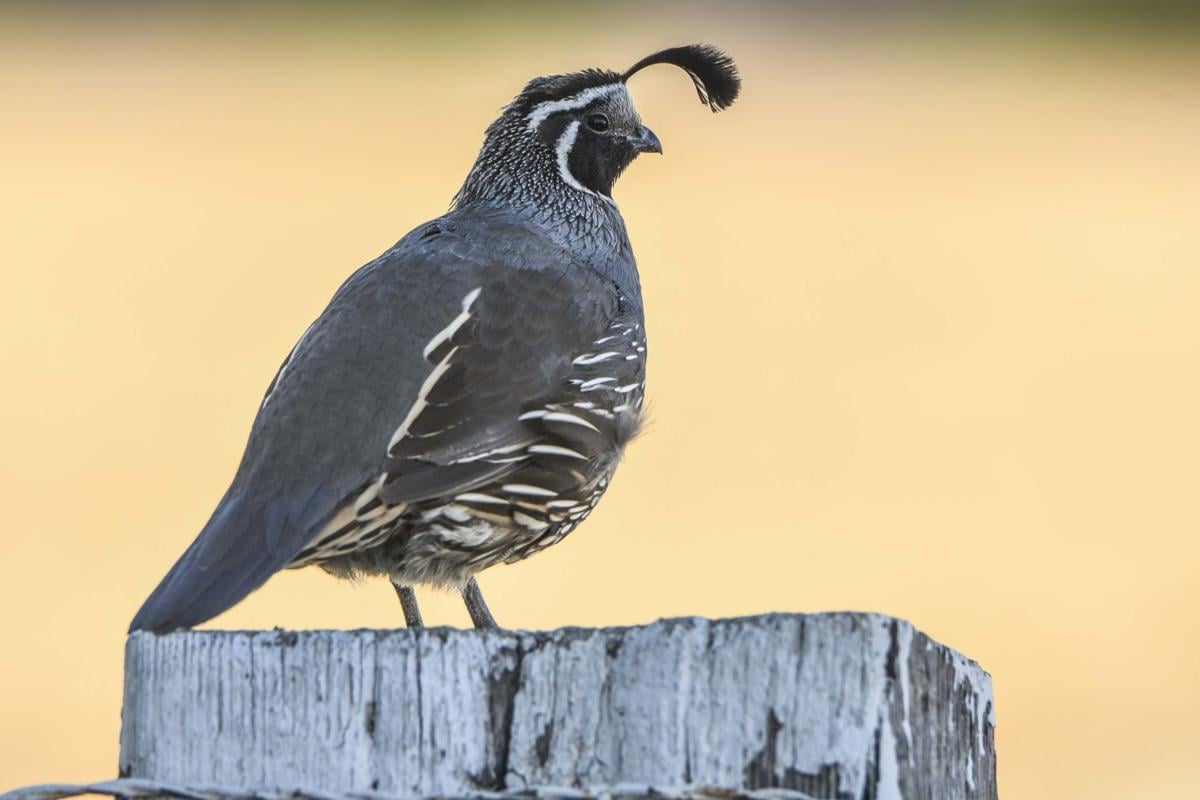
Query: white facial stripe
[[563, 152], [543, 110]]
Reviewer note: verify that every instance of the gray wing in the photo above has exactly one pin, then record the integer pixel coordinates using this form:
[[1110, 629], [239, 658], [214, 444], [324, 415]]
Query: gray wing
[[420, 364]]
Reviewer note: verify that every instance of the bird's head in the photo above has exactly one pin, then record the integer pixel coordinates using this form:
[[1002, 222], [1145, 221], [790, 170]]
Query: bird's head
[[574, 134]]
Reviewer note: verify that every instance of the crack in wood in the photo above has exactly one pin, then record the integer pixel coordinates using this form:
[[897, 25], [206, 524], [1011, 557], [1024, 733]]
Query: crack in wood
[[814, 704]]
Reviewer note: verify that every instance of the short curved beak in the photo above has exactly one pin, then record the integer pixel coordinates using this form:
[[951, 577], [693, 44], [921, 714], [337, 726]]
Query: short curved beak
[[644, 140]]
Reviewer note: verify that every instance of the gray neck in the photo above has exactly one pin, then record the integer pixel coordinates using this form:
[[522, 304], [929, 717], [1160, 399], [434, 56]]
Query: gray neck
[[517, 171]]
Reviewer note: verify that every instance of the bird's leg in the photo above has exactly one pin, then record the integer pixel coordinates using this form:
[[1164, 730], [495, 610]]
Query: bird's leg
[[477, 608], [408, 602]]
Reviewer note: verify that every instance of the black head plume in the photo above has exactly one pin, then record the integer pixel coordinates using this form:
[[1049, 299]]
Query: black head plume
[[568, 136], [712, 70]]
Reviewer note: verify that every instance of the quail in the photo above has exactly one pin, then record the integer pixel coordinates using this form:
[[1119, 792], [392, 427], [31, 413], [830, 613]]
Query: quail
[[464, 399]]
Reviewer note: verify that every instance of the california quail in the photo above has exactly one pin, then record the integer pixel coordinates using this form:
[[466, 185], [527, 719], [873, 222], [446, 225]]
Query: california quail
[[465, 397]]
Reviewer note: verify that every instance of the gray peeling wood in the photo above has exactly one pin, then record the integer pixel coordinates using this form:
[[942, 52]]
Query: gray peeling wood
[[833, 705]]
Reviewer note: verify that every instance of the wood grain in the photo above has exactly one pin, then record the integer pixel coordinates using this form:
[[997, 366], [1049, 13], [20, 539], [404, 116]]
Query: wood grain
[[833, 705]]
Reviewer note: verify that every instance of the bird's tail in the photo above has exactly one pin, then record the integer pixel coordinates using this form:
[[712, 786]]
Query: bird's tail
[[236, 552]]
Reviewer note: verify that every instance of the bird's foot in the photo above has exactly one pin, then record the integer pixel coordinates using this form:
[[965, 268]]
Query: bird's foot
[[408, 602], [477, 608]]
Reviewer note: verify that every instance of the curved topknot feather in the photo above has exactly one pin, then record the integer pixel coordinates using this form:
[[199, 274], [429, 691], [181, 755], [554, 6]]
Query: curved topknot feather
[[712, 70]]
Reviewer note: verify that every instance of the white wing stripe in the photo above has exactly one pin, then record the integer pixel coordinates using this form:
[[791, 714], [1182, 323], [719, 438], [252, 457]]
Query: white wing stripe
[[419, 405], [555, 450], [438, 371], [445, 333], [562, 416], [287, 363], [526, 489], [594, 358]]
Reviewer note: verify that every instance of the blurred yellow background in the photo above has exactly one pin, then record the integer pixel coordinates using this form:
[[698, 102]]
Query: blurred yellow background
[[923, 312]]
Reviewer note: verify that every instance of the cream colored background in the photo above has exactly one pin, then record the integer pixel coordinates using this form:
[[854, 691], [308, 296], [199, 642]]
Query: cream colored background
[[923, 323]]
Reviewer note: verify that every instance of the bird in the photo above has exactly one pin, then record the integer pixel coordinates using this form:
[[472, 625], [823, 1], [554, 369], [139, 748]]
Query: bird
[[464, 399]]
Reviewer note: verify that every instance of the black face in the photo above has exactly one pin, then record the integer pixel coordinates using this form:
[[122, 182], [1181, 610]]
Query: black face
[[575, 133], [594, 144], [601, 153]]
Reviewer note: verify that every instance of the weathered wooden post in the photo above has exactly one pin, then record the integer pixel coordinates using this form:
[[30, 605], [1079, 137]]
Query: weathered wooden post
[[828, 705]]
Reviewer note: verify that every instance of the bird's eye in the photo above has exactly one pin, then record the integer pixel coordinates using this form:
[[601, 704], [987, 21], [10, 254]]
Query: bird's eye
[[597, 122]]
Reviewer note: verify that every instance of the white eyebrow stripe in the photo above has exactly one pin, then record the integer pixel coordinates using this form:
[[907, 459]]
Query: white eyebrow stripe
[[543, 110]]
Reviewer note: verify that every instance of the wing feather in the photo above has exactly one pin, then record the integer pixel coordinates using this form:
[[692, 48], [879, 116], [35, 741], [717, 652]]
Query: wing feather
[[514, 350], [357, 375]]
